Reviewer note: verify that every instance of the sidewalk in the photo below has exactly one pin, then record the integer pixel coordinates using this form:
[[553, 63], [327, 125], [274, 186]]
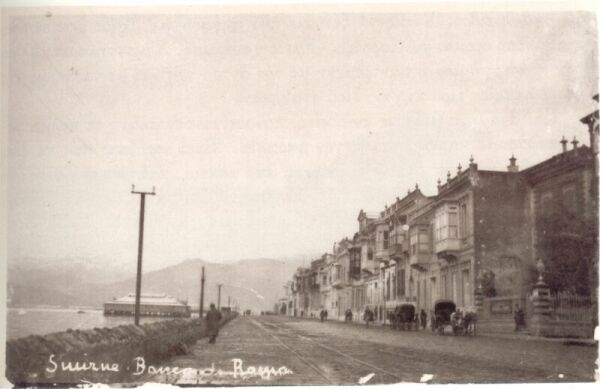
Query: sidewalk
[[497, 335]]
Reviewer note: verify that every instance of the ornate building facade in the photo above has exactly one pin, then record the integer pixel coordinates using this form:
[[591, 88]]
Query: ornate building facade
[[476, 242]]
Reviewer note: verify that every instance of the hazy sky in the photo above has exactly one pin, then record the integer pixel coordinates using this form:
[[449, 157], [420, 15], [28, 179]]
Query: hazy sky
[[265, 134]]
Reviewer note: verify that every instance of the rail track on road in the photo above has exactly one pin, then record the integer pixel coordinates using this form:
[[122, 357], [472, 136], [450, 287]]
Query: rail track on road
[[334, 366]]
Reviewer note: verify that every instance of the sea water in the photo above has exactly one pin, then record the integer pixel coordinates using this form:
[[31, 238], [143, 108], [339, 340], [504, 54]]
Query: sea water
[[40, 321]]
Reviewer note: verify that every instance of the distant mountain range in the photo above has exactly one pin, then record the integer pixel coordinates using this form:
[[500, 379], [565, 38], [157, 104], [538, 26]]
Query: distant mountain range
[[254, 283]]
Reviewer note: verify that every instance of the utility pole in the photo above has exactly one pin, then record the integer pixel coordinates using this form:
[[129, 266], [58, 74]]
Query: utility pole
[[201, 310], [219, 297], [138, 283]]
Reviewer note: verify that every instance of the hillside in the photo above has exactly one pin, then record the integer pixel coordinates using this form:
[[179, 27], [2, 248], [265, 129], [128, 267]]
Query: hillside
[[255, 283]]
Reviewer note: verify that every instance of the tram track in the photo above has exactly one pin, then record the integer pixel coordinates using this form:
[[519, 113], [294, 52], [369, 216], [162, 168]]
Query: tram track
[[296, 353], [341, 362]]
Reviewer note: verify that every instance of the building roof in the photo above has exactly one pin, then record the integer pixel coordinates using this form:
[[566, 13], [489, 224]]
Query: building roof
[[558, 163], [148, 299]]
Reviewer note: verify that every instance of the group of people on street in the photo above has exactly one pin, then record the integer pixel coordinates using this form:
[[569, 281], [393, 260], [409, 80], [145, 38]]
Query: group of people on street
[[369, 316], [323, 314]]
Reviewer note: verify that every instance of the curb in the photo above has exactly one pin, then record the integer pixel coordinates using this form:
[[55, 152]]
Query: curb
[[565, 341]]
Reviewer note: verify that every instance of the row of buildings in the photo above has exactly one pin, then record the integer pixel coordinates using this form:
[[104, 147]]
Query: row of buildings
[[480, 236]]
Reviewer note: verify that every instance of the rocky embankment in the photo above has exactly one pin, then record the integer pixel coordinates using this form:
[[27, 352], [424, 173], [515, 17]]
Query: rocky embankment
[[99, 355]]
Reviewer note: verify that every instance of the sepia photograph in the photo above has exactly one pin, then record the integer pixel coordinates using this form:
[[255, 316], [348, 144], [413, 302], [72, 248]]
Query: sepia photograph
[[299, 194]]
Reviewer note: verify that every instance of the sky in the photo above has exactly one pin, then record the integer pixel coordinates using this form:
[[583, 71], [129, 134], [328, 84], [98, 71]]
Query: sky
[[266, 133]]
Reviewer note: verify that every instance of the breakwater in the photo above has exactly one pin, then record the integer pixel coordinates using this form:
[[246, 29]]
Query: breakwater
[[102, 355]]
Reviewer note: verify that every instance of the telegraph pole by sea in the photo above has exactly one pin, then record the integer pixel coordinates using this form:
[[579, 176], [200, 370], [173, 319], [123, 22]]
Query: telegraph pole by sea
[[138, 283], [201, 308]]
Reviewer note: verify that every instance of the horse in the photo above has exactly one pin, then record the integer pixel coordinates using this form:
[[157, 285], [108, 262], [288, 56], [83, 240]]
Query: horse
[[470, 323]]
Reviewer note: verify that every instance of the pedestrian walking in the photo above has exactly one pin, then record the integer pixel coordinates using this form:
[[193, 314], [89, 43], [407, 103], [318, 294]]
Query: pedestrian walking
[[423, 319], [348, 316], [368, 316], [519, 318], [213, 319]]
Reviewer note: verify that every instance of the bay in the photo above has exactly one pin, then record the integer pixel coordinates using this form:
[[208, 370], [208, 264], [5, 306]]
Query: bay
[[42, 321]]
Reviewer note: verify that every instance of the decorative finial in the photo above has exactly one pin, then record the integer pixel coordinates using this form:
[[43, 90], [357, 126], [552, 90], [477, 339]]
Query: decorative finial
[[459, 168], [540, 268], [564, 144], [472, 160], [439, 182], [448, 175], [416, 186]]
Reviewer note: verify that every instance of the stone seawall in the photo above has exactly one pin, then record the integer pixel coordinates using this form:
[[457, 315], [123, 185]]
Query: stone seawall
[[106, 355]]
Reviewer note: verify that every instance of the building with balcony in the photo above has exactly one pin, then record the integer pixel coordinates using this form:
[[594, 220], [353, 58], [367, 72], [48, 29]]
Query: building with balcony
[[480, 235]]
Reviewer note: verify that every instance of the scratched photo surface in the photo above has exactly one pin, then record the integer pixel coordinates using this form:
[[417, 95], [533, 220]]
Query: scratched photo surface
[[300, 195]]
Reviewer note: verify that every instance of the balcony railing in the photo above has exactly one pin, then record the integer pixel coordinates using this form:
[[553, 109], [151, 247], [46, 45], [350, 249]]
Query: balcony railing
[[448, 244], [419, 261], [382, 253]]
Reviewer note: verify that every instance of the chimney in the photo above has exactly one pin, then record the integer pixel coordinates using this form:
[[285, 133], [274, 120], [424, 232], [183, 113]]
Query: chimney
[[513, 168], [472, 164], [592, 122], [564, 144], [575, 142], [439, 185]]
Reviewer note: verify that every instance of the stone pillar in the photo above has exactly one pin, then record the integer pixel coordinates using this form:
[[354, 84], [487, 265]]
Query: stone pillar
[[540, 299], [479, 299], [479, 295]]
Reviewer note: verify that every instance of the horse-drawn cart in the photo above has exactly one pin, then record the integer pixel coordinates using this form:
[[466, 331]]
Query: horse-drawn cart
[[442, 311], [403, 317], [447, 318]]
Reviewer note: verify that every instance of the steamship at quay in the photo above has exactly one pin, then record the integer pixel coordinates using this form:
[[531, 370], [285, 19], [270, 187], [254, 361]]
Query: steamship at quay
[[150, 305]]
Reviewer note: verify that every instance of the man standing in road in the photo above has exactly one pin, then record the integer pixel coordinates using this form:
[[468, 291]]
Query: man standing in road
[[368, 316], [519, 318], [423, 319], [213, 318]]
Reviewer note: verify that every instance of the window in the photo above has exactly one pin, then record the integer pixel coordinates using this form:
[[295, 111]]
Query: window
[[454, 290], [568, 198], [386, 240], [419, 241], [446, 223], [354, 263], [462, 219], [387, 288], [433, 294], [445, 293], [401, 282], [423, 240], [452, 225], [466, 288]]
